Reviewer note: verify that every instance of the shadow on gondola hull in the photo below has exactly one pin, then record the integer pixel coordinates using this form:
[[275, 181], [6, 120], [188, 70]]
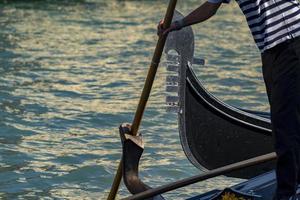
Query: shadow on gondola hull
[[218, 134], [213, 133]]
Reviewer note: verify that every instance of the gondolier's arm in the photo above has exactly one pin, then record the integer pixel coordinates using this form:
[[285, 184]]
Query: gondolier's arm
[[200, 14]]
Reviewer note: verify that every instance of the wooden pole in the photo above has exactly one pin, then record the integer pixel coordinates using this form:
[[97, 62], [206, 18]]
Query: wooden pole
[[210, 174], [146, 91], [152, 69]]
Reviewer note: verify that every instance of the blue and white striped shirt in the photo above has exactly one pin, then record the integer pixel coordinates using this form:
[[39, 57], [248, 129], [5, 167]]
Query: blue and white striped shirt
[[271, 21]]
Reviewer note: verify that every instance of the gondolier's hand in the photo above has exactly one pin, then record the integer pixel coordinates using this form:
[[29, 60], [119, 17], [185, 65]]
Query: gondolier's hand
[[175, 26]]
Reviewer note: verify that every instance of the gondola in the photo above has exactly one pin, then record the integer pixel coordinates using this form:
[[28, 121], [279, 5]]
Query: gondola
[[212, 133]]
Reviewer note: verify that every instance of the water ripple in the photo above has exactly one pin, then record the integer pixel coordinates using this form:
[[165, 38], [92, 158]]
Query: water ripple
[[72, 71]]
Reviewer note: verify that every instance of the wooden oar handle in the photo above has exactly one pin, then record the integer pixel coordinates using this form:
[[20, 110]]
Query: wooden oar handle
[[146, 92], [152, 69], [169, 14]]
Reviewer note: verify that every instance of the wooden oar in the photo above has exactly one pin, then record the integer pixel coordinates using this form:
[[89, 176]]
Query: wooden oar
[[204, 176], [146, 91]]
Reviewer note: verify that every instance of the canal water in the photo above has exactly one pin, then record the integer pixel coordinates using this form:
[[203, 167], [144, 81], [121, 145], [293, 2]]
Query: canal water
[[72, 71]]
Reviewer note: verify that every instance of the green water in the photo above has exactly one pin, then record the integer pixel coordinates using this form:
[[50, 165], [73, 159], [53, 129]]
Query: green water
[[72, 71]]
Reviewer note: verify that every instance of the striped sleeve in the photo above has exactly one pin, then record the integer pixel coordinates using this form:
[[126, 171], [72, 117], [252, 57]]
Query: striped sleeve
[[218, 1]]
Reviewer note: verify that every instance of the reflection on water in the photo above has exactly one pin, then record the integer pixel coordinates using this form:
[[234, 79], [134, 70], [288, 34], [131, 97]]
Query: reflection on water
[[72, 71]]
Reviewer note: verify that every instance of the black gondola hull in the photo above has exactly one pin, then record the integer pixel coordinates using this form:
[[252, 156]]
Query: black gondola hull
[[218, 135], [213, 133]]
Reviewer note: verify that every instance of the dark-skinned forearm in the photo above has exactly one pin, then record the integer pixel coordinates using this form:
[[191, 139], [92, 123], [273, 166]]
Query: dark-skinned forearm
[[202, 13]]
